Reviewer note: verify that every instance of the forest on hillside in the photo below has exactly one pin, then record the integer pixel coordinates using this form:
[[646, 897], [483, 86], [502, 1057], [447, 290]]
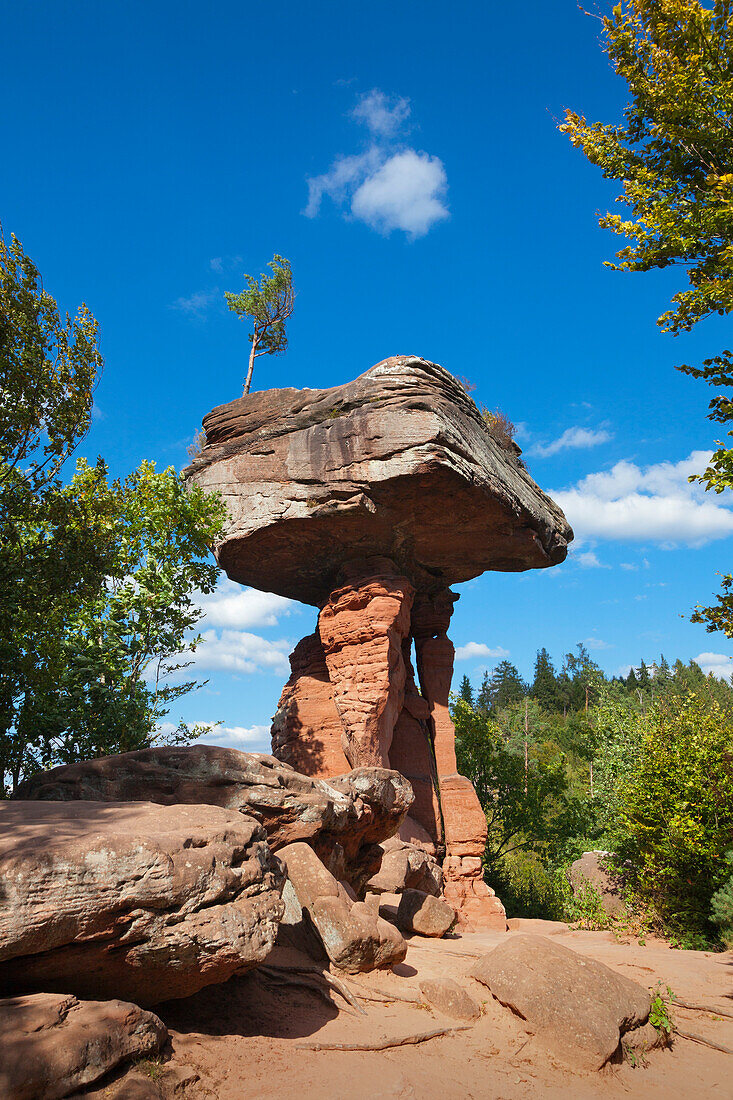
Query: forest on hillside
[[638, 766]]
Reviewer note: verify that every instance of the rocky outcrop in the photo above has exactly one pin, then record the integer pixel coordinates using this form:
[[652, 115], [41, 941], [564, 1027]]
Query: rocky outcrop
[[354, 937], [343, 819], [406, 866], [131, 899], [52, 1045], [579, 1008], [398, 463], [368, 500]]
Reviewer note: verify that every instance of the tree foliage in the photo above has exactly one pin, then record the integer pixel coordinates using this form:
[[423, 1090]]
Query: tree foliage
[[673, 154], [97, 578], [269, 302]]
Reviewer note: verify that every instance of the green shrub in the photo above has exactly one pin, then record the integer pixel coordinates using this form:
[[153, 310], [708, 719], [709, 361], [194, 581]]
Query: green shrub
[[675, 815], [527, 888]]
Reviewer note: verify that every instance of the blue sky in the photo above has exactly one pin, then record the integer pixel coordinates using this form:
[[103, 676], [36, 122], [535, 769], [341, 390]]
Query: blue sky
[[406, 159]]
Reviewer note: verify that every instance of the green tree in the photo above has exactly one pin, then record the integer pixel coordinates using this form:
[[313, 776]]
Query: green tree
[[544, 686], [465, 691], [673, 157], [506, 685], [269, 302], [96, 579], [484, 697], [674, 810]]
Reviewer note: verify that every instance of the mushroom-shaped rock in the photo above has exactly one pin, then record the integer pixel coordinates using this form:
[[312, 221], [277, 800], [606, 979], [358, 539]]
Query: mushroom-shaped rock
[[368, 500], [397, 463]]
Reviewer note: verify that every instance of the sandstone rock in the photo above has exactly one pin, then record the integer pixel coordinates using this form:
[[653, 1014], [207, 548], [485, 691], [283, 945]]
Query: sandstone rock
[[398, 463], [132, 899], [424, 914], [353, 936], [306, 731], [369, 500], [344, 819], [590, 870], [362, 627], [406, 867], [53, 1044], [578, 1007], [450, 998]]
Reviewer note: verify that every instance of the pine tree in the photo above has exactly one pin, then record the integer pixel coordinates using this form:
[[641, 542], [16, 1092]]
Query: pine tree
[[465, 691], [642, 678], [544, 686], [507, 686], [483, 699]]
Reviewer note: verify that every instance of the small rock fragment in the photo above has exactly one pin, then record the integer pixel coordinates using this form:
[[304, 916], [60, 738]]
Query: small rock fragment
[[450, 998]]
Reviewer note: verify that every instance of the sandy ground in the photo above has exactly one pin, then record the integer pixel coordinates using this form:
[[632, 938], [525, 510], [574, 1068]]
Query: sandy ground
[[246, 1039]]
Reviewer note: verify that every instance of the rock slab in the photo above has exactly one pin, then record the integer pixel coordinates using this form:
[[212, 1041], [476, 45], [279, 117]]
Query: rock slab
[[450, 998], [52, 1044], [578, 1007], [132, 899], [343, 819]]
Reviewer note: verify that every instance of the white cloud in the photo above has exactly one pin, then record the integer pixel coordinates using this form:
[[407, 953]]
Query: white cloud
[[631, 566], [572, 439], [596, 643], [589, 560], [407, 193], [472, 650], [197, 304], [231, 605], [388, 186], [654, 503], [217, 264], [381, 114], [717, 663], [249, 738], [240, 651]]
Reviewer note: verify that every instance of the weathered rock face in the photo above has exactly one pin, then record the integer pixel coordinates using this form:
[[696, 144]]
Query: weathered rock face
[[398, 463], [579, 1008], [369, 500], [354, 937], [131, 899], [343, 820], [53, 1044]]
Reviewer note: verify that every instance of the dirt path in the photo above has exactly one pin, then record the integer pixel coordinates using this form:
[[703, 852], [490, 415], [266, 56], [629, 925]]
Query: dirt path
[[245, 1039]]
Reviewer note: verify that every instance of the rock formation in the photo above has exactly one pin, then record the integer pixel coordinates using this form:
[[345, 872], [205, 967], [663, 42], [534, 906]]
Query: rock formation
[[53, 1045], [369, 500], [132, 900], [344, 820]]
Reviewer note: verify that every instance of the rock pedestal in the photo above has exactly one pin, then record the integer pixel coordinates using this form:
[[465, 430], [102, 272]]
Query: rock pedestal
[[366, 631], [369, 500]]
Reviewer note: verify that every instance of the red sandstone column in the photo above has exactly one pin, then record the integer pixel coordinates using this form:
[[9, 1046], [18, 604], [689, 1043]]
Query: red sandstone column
[[362, 627], [464, 821]]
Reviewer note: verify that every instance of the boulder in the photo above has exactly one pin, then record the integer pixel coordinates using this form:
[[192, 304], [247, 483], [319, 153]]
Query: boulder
[[578, 1007], [398, 463], [450, 998], [354, 937], [343, 819], [53, 1044], [591, 870], [406, 866], [132, 899], [424, 914]]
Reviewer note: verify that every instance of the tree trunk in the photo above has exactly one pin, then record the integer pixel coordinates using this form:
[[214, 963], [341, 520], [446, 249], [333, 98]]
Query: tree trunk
[[248, 381]]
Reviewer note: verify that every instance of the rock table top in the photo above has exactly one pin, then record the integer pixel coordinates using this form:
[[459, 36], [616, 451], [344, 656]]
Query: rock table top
[[398, 463]]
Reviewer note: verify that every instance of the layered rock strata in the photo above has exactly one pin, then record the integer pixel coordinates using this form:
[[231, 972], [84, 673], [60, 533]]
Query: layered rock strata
[[344, 820], [131, 899], [369, 500]]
